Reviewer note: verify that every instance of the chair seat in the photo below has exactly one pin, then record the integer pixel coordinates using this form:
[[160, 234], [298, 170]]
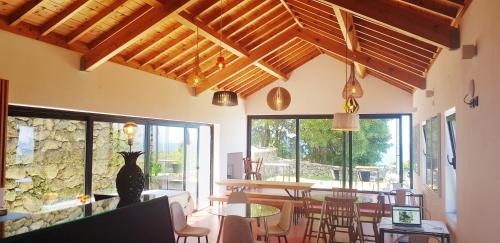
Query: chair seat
[[366, 219], [273, 230], [193, 231]]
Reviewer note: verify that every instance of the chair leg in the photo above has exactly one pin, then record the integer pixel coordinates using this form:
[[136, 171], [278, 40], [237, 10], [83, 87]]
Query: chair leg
[[279, 239], [198, 239], [206, 238], [286, 240], [185, 239], [178, 237], [305, 231]]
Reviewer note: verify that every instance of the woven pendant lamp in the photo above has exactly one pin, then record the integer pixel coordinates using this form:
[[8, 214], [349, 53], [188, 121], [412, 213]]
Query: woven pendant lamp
[[225, 98]]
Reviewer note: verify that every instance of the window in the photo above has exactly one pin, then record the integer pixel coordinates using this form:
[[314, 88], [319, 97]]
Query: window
[[44, 163], [450, 171], [53, 156], [323, 155], [108, 140], [432, 133]]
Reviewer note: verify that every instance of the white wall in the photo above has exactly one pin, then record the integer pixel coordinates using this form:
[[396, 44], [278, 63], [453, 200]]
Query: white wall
[[44, 75], [478, 137], [316, 88]]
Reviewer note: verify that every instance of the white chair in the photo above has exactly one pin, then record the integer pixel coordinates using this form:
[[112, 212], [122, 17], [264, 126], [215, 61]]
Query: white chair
[[181, 228], [236, 229]]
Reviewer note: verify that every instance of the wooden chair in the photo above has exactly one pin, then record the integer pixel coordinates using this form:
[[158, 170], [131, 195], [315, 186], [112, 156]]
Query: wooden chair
[[181, 228], [340, 216], [344, 193], [282, 228], [236, 229], [247, 167], [371, 217], [311, 213]]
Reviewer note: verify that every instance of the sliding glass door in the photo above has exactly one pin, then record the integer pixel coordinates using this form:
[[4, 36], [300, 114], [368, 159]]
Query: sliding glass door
[[371, 159]]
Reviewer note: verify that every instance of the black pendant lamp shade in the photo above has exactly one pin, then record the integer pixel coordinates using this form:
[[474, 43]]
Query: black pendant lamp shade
[[225, 98]]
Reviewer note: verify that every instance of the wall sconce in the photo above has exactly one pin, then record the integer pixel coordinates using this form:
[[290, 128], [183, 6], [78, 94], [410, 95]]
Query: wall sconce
[[469, 51], [470, 98]]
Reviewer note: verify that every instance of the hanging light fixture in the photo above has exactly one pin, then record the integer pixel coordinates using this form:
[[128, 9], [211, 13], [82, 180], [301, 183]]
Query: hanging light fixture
[[348, 121], [225, 98], [352, 87], [196, 77], [221, 62], [278, 99]]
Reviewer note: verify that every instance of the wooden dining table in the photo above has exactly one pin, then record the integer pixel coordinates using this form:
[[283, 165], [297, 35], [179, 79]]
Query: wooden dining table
[[242, 185]]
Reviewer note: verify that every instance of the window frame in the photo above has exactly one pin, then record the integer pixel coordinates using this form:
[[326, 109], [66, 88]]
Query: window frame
[[347, 141], [90, 118], [451, 124]]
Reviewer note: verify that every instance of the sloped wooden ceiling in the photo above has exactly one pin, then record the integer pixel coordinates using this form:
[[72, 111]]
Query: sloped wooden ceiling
[[262, 40]]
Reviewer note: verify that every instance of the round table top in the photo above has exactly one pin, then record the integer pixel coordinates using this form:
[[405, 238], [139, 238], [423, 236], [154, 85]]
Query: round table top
[[245, 210], [359, 198]]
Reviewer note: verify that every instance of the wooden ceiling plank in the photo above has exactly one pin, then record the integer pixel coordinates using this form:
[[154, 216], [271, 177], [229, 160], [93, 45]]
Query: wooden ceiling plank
[[320, 21], [346, 24], [296, 64], [262, 84], [187, 56], [323, 32], [367, 61], [251, 70], [250, 28], [298, 55], [63, 16], [215, 16], [169, 60], [266, 32], [210, 54], [26, 9], [397, 50], [297, 21], [278, 41], [94, 21], [389, 15], [154, 3], [440, 8], [130, 34], [252, 83], [154, 56], [272, 70], [146, 46], [281, 54], [390, 57], [389, 80], [259, 17], [201, 6], [256, 75]]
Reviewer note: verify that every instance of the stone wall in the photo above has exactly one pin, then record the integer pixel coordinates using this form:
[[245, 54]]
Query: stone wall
[[45, 160]]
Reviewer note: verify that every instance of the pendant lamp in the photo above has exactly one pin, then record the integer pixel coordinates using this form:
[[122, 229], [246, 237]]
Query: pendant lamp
[[225, 98], [278, 99], [352, 87], [348, 121], [221, 62], [196, 77]]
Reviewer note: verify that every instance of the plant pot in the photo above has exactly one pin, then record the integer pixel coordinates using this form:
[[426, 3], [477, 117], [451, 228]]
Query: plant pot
[[130, 179]]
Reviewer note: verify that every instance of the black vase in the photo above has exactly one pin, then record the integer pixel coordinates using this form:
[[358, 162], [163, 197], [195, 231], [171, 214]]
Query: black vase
[[130, 179]]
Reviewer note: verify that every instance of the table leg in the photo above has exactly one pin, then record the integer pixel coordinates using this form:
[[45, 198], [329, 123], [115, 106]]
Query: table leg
[[266, 230], [220, 228]]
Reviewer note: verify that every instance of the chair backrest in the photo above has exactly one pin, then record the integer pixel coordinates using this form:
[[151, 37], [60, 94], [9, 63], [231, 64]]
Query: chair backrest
[[178, 217], [247, 165], [344, 193], [286, 216], [237, 197], [417, 239], [380, 208], [307, 201], [259, 165], [340, 211], [236, 229]]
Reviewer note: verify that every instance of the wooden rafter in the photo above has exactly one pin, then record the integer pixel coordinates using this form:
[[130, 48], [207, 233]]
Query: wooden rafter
[[63, 16], [445, 9], [346, 24], [368, 61], [128, 35], [285, 4], [94, 21], [261, 52], [436, 31], [191, 22], [17, 16]]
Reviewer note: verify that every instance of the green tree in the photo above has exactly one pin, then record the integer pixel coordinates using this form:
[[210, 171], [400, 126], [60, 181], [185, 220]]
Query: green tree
[[275, 133]]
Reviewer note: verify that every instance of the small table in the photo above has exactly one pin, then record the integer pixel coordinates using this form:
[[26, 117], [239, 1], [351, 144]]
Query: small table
[[245, 210], [429, 227]]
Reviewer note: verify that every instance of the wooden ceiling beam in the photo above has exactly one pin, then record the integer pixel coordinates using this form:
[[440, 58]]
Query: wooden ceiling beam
[[367, 61], [441, 8], [63, 16], [94, 21], [26, 9], [154, 3], [258, 54], [297, 21], [191, 22], [346, 24], [436, 31], [128, 35]]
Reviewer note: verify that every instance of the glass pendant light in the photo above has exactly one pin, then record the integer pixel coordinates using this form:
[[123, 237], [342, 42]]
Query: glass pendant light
[[221, 62], [348, 121], [352, 87], [196, 77]]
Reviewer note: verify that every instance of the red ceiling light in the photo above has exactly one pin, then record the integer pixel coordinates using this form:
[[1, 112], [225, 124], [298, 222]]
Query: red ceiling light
[[221, 63]]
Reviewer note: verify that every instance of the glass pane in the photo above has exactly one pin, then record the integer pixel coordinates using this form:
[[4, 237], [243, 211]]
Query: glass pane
[[321, 153], [192, 164], [428, 153], [273, 140], [435, 141], [406, 150], [109, 139], [45, 163], [167, 158], [375, 151], [204, 164]]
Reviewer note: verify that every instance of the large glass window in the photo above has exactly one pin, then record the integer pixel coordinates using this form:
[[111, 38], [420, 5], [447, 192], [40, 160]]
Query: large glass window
[[432, 135], [451, 174], [377, 157], [274, 141], [45, 162]]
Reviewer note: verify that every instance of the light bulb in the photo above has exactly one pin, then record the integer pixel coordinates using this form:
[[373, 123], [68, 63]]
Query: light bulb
[[354, 90]]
